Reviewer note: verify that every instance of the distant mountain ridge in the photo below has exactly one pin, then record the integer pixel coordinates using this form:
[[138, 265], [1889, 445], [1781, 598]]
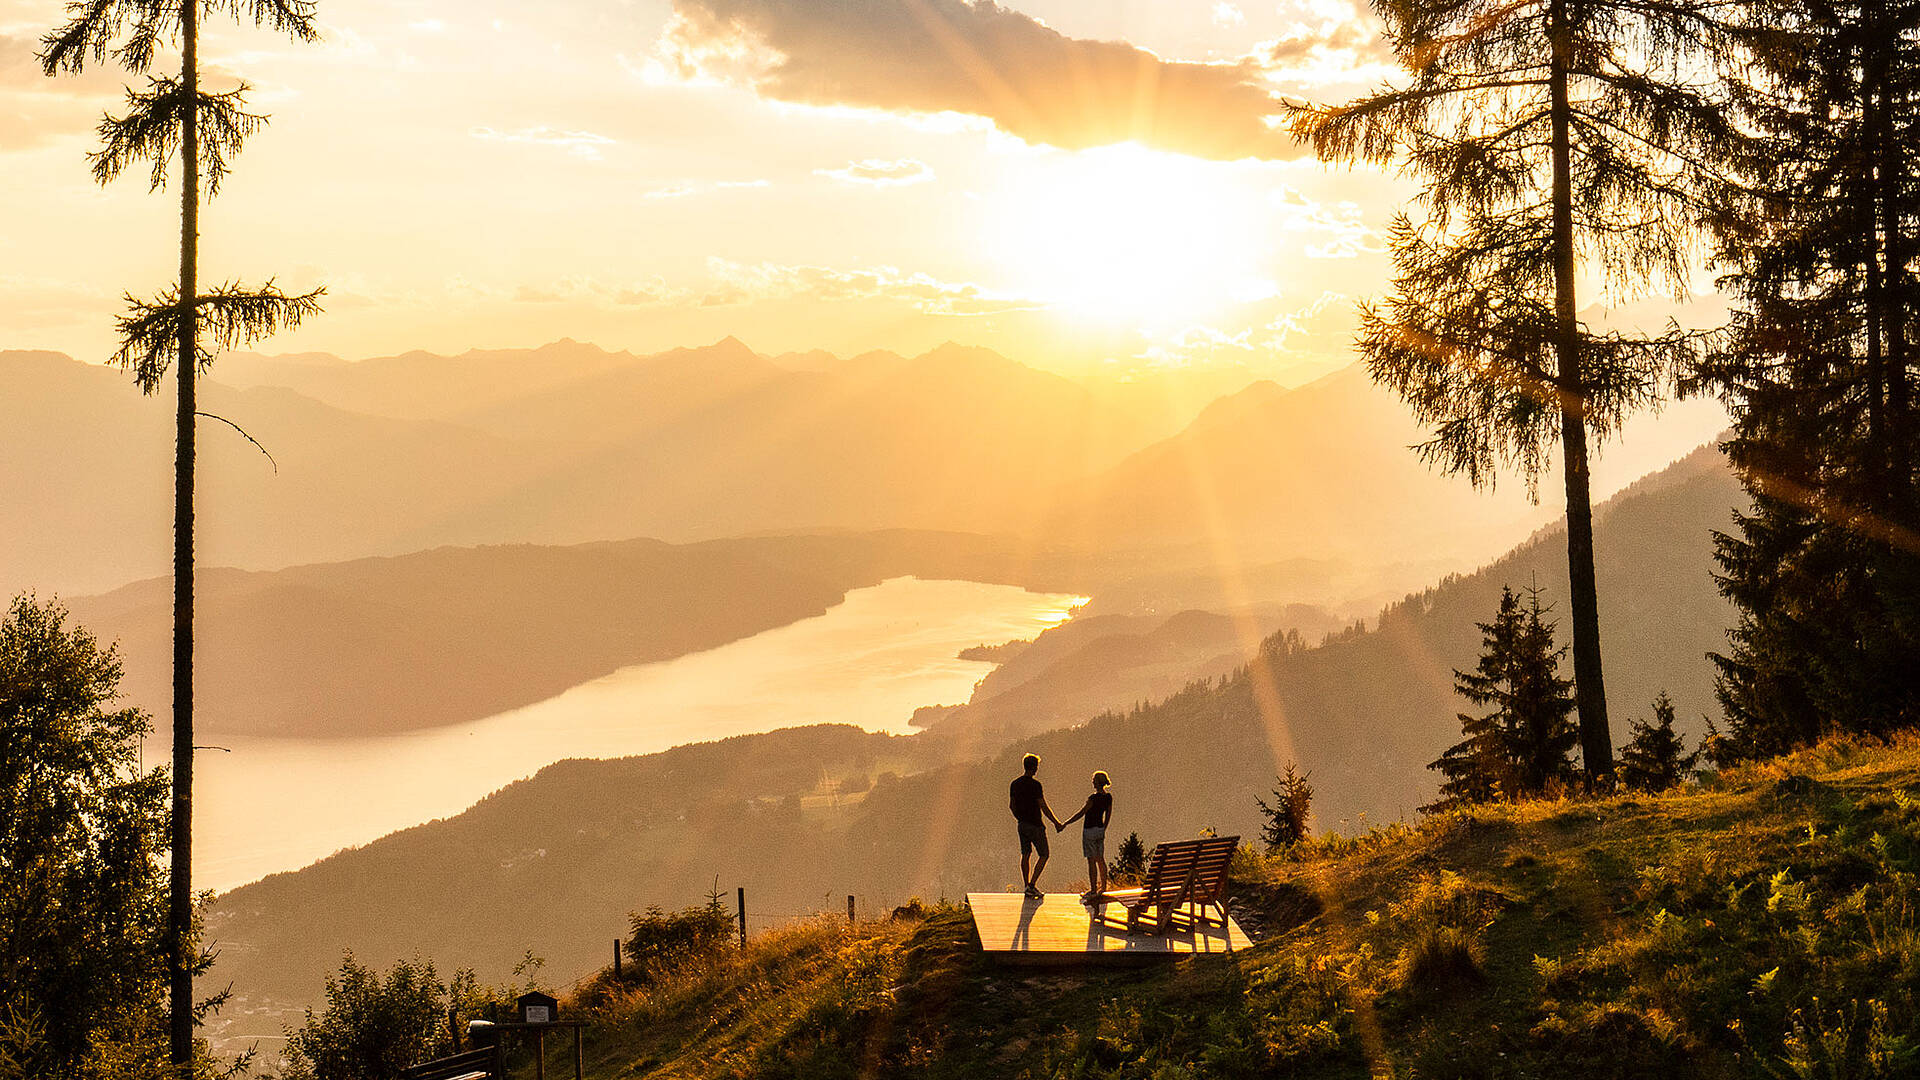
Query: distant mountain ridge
[[570, 443]]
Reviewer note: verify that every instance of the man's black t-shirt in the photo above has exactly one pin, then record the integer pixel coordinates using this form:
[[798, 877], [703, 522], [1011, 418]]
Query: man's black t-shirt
[[1024, 795]]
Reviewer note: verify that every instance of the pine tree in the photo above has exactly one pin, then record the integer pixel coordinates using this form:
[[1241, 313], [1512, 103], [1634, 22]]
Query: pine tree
[[1818, 368], [1479, 768], [1290, 812], [174, 120], [1556, 139], [1656, 758], [1541, 736], [1522, 745], [1130, 860]]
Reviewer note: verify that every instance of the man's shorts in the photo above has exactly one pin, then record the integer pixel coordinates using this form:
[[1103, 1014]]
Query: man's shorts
[[1032, 837], [1093, 843]]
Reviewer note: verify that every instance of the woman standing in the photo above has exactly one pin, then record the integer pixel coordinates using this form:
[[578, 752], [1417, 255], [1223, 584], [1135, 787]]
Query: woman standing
[[1093, 836]]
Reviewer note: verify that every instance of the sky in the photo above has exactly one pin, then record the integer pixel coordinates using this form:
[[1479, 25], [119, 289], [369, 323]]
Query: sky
[[1074, 184], [1082, 186]]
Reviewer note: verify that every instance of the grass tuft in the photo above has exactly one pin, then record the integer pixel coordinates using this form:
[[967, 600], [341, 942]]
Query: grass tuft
[[1442, 958]]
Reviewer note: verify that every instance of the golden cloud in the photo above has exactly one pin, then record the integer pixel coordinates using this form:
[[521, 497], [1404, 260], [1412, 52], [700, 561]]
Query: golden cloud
[[976, 57]]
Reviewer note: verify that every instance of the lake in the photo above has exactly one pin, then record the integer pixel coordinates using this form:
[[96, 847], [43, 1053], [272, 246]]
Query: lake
[[276, 804]]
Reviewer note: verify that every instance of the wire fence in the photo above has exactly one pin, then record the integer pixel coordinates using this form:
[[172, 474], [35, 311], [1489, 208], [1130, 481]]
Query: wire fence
[[763, 920]]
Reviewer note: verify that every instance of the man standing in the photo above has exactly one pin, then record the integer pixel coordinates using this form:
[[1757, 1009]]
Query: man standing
[[1029, 802]]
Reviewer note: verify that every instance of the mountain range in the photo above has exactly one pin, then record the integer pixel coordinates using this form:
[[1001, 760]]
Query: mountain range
[[569, 443]]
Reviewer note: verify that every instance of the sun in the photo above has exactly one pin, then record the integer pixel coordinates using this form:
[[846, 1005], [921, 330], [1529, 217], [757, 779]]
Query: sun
[[1127, 237]]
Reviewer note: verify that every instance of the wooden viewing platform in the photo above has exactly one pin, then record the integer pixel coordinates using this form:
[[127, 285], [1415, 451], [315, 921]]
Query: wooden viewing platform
[[1059, 929]]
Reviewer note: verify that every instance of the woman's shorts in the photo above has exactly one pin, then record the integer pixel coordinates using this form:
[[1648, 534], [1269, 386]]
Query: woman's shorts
[[1093, 843]]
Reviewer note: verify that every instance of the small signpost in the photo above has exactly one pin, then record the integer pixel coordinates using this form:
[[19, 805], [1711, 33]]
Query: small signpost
[[536, 1008], [536, 1013]]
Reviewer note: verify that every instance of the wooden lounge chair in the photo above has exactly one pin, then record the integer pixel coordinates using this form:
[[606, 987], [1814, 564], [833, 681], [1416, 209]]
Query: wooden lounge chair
[[1179, 874], [484, 1063]]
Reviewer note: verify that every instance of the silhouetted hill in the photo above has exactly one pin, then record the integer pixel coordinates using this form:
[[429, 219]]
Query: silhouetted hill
[[607, 404], [718, 442], [1364, 713], [421, 385], [86, 464], [1322, 470], [569, 444], [453, 634], [1110, 662], [563, 444]]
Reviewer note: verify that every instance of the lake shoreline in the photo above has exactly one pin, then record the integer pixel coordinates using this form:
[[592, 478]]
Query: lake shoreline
[[869, 661]]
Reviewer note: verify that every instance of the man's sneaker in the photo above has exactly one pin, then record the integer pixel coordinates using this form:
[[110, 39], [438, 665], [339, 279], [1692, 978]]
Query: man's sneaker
[[1034, 893]]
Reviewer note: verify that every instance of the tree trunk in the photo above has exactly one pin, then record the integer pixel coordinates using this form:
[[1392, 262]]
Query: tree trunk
[[1896, 289], [1596, 742], [1872, 89], [180, 880]]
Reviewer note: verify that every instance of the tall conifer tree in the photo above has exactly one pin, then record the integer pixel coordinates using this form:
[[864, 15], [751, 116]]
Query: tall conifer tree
[[1559, 141], [1819, 365], [174, 121], [1522, 745]]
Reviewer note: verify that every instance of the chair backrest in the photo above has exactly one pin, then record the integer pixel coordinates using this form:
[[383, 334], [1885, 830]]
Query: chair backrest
[[481, 1060], [1210, 867], [1189, 870]]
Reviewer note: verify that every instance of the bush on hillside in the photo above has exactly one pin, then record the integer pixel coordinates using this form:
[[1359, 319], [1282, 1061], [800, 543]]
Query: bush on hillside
[[662, 940], [1441, 957], [372, 1026]]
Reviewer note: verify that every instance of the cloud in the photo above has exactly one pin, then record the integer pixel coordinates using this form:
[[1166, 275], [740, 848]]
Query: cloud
[[35, 109], [33, 301], [1322, 326], [1227, 16], [1345, 235], [741, 283], [881, 173], [653, 292], [976, 57], [1305, 322], [1330, 41], [683, 188], [584, 144]]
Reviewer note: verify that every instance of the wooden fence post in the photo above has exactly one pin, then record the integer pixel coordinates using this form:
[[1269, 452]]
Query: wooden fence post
[[849, 907], [616, 959], [743, 916]]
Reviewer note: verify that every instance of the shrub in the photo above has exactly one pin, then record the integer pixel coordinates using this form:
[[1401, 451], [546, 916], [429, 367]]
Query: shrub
[[373, 1027], [662, 940]]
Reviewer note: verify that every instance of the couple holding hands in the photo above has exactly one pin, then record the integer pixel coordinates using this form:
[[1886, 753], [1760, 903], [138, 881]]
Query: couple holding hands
[[1028, 801]]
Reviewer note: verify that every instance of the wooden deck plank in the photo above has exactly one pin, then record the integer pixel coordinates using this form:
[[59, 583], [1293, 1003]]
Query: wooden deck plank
[[1058, 928]]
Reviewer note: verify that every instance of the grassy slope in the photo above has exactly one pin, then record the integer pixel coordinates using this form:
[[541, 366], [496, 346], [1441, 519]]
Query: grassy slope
[[1761, 923]]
